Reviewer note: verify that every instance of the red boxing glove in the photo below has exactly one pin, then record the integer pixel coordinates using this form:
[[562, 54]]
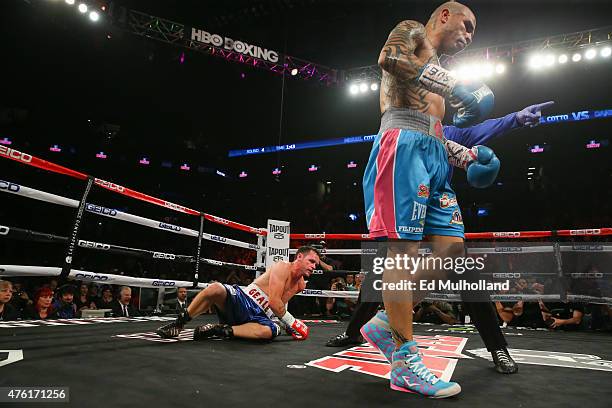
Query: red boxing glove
[[295, 327]]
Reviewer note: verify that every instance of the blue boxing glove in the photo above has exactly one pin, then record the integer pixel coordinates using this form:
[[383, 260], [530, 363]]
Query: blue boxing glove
[[474, 100], [482, 172]]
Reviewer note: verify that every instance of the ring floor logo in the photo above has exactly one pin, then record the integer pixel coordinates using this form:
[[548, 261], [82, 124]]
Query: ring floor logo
[[440, 355]]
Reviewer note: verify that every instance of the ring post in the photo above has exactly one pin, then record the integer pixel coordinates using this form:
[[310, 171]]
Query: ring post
[[76, 228]]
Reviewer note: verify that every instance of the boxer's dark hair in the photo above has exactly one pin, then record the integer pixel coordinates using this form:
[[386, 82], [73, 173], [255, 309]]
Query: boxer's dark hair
[[306, 250]]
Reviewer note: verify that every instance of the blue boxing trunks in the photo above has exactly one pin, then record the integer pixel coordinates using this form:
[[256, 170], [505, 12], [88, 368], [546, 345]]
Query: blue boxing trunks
[[249, 307], [406, 185]]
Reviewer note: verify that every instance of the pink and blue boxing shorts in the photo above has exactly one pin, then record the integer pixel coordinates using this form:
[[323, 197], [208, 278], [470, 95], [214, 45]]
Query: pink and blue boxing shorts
[[406, 187]]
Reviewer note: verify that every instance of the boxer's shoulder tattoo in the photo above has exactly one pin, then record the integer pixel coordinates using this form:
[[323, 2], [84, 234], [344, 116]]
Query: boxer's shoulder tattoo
[[398, 52]]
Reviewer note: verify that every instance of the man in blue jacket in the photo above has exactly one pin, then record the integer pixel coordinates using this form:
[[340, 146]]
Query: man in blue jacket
[[482, 313]]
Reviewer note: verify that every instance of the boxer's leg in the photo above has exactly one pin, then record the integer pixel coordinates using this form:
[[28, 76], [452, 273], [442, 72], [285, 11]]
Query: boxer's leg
[[424, 171], [253, 331], [215, 294]]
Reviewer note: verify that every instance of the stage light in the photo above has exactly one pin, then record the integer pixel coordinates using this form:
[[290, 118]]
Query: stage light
[[590, 54], [294, 72], [313, 168], [101, 155], [94, 16], [605, 52], [276, 171], [576, 57], [474, 71], [354, 89], [363, 88], [536, 62], [328, 182], [374, 87], [220, 173], [549, 60], [70, 2], [500, 68], [487, 70], [83, 8], [562, 59], [6, 141], [243, 174], [463, 72], [353, 217]]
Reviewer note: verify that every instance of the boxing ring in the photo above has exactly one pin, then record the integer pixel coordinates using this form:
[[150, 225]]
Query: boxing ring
[[122, 362]]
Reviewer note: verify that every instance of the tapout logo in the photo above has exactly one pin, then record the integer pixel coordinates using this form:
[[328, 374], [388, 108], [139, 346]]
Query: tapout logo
[[279, 228], [218, 238], [278, 251]]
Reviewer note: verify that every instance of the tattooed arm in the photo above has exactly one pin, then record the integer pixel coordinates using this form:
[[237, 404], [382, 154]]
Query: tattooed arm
[[397, 56]]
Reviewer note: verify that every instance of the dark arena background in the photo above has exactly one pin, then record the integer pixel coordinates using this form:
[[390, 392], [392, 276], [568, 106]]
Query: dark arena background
[[151, 146]]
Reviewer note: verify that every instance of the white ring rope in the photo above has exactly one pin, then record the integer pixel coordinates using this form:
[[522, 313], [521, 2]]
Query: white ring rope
[[120, 215], [104, 278]]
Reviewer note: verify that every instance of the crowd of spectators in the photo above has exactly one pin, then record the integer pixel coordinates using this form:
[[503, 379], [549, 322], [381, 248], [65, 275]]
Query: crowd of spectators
[[46, 300]]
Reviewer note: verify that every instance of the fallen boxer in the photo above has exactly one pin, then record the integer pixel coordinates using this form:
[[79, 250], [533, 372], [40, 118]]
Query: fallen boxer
[[251, 313]]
